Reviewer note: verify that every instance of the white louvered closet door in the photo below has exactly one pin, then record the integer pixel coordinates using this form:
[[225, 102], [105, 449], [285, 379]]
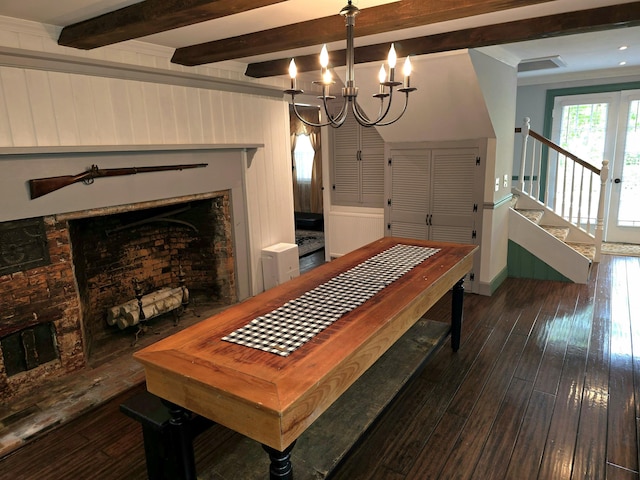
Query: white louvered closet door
[[453, 195], [409, 204], [346, 167], [431, 194], [371, 166], [358, 165]]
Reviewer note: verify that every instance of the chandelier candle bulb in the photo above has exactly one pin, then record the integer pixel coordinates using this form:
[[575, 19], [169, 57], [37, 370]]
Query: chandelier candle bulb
[[391, 60], [293, 71], [382, 75], [406, 70], [324, 60]]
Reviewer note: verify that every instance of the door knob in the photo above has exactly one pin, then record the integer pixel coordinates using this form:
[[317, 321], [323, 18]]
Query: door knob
[[617, 180]]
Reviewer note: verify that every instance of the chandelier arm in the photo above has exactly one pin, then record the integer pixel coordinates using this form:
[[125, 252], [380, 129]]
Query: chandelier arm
[[361, 117], [306, 122], [337, 120], [404, 109]]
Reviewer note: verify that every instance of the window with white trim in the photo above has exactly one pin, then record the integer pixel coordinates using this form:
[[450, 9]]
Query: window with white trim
[[304, 154]]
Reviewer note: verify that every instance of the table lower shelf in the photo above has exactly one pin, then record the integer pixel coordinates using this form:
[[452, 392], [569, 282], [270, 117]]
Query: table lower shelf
[[328, 440]]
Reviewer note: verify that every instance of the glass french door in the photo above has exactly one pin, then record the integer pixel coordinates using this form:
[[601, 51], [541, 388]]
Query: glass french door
[[603, 126], [624, 208]]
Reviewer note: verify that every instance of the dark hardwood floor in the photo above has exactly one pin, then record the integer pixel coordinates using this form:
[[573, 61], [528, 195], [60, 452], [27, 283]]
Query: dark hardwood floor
[[546, 385], [312, 260]]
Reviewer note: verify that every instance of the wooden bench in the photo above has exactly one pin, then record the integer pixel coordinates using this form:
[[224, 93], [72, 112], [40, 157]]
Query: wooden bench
[[328, 441]]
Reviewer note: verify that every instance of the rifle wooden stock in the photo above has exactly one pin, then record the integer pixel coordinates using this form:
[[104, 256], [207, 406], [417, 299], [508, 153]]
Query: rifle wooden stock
[[41, 186]]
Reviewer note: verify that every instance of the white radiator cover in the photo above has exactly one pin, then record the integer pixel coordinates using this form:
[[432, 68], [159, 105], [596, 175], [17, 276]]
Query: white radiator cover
[[279, 264]]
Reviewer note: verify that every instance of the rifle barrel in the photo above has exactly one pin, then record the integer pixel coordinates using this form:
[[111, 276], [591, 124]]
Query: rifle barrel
[[41, 186], [116, 172]]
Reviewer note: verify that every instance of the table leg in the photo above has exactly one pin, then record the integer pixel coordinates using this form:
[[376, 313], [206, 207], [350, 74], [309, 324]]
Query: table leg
[[280, 468], [184, 464], [456, 314], [154, 453]]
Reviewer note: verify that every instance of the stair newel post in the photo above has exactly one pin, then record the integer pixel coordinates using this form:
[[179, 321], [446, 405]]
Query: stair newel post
[[526, 126], [604, 176]]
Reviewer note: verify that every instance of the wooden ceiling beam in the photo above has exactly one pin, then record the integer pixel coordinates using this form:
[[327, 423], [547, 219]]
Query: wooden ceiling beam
[[149, 17], [583, 21], [384, 18]]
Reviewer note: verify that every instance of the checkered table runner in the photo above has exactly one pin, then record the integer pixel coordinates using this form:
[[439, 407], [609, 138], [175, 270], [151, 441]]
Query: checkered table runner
[[290, 326]]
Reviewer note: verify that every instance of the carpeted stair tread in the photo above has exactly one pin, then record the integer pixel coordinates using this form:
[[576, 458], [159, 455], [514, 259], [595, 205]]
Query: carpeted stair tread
[[533, 215], [584, 249], [559, 232]]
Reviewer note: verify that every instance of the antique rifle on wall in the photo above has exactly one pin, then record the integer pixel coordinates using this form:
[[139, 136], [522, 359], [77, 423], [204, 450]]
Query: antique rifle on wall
[[41, 186]]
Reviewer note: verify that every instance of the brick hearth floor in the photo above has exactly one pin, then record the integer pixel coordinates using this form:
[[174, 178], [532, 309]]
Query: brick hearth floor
[[61, 400]]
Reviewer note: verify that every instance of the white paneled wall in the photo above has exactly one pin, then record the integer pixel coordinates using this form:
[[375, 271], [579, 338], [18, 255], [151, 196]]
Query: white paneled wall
[[351, 228], [40, 108], [48, 108]]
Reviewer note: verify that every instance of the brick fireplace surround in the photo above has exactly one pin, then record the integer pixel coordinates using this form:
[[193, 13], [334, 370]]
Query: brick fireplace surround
[[57, 349]]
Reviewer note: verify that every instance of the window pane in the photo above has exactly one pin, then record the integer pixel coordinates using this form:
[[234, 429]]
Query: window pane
[[304, 158], [583, 132], [584, 128]]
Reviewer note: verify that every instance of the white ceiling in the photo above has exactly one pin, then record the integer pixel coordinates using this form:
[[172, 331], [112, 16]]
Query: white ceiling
[[587, 52]]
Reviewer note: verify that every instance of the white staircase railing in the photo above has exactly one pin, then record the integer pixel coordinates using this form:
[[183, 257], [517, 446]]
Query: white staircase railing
[[573, 188]]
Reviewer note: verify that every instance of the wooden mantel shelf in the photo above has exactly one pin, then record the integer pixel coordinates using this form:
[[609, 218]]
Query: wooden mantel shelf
[[273, 399], [56, 149]]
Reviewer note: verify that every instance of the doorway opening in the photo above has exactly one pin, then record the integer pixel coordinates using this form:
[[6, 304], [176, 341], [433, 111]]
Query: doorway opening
[[306, 166]]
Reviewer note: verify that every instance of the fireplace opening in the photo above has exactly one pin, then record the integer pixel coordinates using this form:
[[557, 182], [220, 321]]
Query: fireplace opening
[[29, 348], [117, 255]]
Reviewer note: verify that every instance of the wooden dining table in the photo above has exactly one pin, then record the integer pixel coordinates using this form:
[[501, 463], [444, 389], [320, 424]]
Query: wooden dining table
[[272, 398]]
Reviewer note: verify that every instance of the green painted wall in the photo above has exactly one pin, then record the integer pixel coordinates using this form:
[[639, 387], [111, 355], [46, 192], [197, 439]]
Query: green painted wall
[[522, 264]]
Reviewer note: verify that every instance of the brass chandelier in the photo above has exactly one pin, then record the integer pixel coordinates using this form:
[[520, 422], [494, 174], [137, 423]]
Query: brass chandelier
[[350, 90]]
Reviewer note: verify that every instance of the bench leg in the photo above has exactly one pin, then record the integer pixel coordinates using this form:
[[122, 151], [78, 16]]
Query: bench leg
[[181, 443], [280, 468], [456, 314]]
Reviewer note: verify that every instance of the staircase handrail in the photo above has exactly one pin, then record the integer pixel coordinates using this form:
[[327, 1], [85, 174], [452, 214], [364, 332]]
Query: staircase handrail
[[594, 230], [559, 149]]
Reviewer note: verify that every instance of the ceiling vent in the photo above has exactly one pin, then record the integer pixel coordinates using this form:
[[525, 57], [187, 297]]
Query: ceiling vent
[[542, 63]]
